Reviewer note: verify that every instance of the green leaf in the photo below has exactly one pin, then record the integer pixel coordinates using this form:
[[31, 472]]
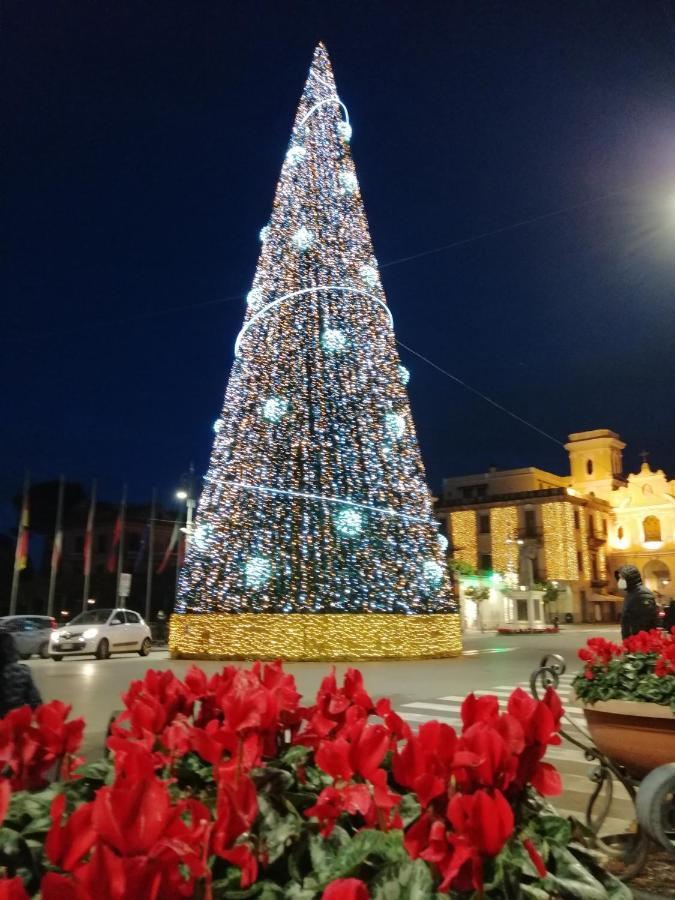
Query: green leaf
[[409, 809], [407, 880], [554, 828]]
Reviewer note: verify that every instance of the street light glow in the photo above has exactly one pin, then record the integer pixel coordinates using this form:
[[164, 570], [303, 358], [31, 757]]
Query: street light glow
[[181, 495]]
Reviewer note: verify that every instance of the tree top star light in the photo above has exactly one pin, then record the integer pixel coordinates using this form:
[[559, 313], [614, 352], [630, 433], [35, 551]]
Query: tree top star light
[[316, 535]]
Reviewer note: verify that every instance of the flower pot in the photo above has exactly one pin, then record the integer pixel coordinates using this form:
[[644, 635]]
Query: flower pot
[[638, 736]]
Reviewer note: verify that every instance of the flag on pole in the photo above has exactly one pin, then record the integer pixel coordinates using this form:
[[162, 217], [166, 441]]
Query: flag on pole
[[117, 534], [89, 533], [141, 549], [57, 549], [21, 558], [173, 540]]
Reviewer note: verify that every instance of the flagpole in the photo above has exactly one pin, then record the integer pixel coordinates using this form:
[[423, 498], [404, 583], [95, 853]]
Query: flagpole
[[56, 547], [120, 551], [18, 558], [151, 554], [89, 546]]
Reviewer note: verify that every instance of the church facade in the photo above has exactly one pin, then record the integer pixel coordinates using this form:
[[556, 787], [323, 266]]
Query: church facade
[[522, 528]]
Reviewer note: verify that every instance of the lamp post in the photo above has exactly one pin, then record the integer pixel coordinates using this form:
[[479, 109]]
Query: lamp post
[[186, 493]]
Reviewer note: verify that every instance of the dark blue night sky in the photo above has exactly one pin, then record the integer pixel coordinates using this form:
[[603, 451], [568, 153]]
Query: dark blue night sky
[[142, 143]]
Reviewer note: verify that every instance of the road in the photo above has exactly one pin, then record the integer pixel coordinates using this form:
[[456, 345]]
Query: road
[[94, 687]]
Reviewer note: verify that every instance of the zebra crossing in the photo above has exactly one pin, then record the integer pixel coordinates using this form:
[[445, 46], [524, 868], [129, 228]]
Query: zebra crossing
[[569, 760]]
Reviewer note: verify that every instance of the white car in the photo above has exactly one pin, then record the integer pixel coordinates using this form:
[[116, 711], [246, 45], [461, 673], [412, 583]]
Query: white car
[[100, 632]]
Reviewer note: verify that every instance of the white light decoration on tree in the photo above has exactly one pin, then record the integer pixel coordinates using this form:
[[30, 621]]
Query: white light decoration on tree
[[333, 340], [258, 571], [442, 542], [395, 425], [254, 297], [264, 232], [314, 502], [432, 573], [403, 374], [345, 131], [200, 536], [348, 522], [217, 425], [295, 155], [369, 276], [303, 238], [274, 409], [349, 182]]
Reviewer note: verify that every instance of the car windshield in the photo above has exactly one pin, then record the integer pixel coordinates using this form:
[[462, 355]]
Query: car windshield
[[92, 617]]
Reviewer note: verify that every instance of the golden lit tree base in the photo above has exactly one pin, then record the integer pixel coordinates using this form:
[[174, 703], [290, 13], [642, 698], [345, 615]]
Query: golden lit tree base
[[320, 636]]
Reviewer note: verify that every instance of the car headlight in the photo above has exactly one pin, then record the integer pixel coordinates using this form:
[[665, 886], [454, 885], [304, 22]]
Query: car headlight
[[90, 633], [54, 638]]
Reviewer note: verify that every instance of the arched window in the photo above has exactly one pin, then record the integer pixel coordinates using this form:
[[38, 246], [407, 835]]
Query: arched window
[[619, 533], [652, 528], [589, 466]]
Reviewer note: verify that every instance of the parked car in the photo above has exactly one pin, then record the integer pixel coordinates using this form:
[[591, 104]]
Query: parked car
[[100, 632], [31, 633]]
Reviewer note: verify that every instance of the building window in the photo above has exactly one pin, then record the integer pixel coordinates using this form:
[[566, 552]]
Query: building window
[[530, 523], [620, 533], [594, 566], [485, 562], [484, 524], [535, 571], [580, 561], [591, 529], [604, 527], [589, 466], [652, 529], [576, 519]]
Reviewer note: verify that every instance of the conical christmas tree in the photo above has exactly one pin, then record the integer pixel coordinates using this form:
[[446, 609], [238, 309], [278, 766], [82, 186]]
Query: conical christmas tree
[[315, 535]]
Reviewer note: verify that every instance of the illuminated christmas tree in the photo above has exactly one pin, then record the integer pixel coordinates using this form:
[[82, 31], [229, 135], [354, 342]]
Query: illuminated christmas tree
[[315, 535]]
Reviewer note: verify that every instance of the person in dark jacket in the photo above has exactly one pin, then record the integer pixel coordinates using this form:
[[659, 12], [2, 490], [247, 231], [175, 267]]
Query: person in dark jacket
[[669, 621], [16, 682], [639, 605]]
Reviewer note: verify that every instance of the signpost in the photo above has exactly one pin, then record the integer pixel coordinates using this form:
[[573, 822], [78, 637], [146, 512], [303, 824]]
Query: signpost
[[125, 587]]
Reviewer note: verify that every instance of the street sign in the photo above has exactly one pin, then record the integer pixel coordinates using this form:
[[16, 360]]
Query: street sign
[[125, 584]]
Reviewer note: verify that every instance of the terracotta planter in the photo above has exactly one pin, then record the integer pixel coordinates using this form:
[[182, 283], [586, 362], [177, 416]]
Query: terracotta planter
[[639, 736]]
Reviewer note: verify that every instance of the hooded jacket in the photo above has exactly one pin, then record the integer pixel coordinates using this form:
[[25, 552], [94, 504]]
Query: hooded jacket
[[16, 682], [639, 605]]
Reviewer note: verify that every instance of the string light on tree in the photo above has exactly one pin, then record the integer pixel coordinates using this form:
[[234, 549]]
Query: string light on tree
[[348, 523], [217, 425], [295, 155], [404, 375], [333, 340], [395, 425], [264, 232], [442, 542], [258, 571], [432, 573], [303, 238], [345, 131], [369, 275], [349, 182], [314, 504], [274, 409]]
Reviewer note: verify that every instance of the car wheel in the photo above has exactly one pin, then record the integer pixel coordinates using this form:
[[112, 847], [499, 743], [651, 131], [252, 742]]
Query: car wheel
[[146, 647], [56, 657], [25, 655], [44, 650], [103, 650]]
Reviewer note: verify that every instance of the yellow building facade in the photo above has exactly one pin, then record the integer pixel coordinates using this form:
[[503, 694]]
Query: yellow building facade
[[576, 530]]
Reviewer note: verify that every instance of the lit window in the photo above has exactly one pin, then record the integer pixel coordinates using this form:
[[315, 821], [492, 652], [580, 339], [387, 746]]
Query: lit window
[[652, 528], [589, 466], [619, 533]]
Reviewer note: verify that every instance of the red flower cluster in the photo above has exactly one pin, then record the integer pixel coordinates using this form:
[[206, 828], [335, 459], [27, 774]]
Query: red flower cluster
[[351, 751], [39, 745], [658, 644], [149, 834], [466, 784]]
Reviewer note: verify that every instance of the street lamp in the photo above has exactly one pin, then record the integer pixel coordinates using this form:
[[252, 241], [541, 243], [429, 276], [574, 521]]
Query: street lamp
[[186, 493]]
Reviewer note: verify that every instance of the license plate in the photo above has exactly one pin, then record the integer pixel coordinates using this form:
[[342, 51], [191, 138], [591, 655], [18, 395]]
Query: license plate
[[68, 647]]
